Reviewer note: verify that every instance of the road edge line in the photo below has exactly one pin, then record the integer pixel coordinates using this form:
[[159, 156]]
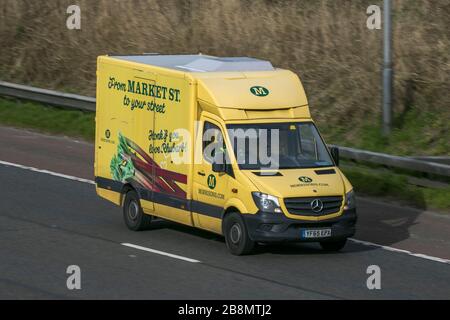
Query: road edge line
[[55, 174], [392, 249]]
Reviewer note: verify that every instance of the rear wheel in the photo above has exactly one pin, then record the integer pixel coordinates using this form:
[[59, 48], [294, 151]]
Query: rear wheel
[[134, 216], [333, 246], [236, 235]]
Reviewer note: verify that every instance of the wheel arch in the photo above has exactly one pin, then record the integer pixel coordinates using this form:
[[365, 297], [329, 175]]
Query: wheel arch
[[234, 204], [227, 212]]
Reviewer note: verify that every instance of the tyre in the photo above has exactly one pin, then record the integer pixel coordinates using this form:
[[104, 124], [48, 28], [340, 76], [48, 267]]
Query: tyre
[[134, 216], [333, 246], [236, 235]]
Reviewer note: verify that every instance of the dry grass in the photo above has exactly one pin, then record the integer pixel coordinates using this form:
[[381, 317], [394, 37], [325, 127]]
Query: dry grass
[[325, 41]]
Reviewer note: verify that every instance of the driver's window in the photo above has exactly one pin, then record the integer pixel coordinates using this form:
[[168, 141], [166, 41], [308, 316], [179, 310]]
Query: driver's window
[[213, 144]]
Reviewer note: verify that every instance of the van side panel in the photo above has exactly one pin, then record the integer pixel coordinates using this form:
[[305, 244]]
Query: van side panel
[[144, 125], [110, 120]]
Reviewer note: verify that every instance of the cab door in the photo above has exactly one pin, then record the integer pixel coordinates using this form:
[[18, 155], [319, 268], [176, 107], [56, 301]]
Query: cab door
[[210, 187]]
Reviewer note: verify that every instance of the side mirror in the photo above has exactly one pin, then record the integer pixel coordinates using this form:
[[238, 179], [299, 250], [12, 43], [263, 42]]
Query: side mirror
[[335, 154], [219, 167]]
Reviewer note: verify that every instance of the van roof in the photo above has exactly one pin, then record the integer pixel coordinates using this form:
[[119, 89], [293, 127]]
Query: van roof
[[200, 63]]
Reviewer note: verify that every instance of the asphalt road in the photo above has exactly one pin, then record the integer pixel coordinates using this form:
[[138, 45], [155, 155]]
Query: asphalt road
[[49, 222]]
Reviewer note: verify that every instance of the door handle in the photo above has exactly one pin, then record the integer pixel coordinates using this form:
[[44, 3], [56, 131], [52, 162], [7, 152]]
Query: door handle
[[202, 173]]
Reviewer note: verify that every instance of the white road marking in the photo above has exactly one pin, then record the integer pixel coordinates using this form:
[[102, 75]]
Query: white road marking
[[160, 252], [61, 175], [366, 243], [417, 255]]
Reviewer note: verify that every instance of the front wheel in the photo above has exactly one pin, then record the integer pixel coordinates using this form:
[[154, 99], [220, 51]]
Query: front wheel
[[134, 216], [236, 235], [333, 246]]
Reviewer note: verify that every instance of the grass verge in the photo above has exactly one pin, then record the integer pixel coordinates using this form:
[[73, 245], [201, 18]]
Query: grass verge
[[386, 183], [415, 132], [79, 124], [47, 119]]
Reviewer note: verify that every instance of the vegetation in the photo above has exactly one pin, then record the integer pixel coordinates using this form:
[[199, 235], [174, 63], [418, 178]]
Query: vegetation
[[388, 184], [47, 119], [417, 132]]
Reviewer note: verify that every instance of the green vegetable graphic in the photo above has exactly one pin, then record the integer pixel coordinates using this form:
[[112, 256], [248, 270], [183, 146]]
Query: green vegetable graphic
[[131, 164]]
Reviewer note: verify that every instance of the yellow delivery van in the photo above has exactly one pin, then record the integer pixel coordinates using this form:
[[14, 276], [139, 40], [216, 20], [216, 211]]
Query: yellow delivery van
[[225, 144]]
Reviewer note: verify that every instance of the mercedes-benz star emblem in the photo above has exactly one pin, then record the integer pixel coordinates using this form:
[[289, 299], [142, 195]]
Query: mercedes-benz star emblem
[[316, 205]]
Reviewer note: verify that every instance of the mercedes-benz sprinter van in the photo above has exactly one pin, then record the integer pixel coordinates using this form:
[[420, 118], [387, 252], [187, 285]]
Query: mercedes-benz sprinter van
[[222, 144]]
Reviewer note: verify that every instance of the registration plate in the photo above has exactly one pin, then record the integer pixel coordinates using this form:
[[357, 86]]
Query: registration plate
[[316, 233]]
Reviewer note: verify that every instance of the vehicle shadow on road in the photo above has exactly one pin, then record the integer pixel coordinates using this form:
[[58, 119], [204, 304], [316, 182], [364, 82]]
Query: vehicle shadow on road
[[380, 223], [385, 224], [284, 248], [166, 224]]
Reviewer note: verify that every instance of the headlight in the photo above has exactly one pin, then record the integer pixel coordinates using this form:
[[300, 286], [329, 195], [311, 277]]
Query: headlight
[[350, 201], [266, 202]]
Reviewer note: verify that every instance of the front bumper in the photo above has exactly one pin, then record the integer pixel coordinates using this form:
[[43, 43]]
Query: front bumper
[[265, 227]]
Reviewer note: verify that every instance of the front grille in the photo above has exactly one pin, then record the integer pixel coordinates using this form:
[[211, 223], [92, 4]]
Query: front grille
[[302, 206]]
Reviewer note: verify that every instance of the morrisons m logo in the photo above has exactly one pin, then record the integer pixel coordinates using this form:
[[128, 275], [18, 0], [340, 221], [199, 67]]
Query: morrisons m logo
[[211, 181], [259, 91]]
